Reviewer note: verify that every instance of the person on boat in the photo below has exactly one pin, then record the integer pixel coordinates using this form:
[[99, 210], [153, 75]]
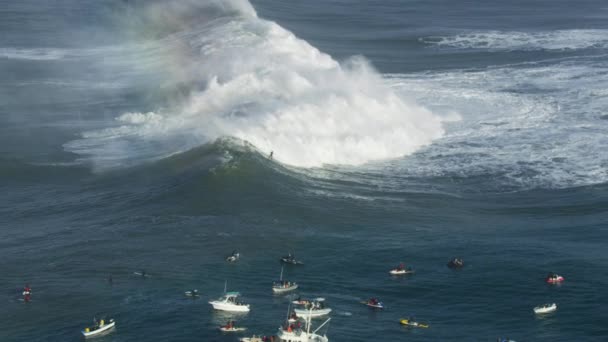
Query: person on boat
[[27, 293], [143, 273], [194, 293], [271, 154], [401, 267]]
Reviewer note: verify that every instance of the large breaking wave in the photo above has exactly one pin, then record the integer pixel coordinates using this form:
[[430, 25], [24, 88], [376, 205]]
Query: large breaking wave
[[253, 80]]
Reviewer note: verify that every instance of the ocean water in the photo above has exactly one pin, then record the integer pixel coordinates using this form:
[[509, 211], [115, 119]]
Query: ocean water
[[136, 134]]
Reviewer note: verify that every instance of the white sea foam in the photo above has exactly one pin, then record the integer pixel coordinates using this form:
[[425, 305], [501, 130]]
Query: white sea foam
[[513, 40], [263, 85], [42, 54], [526, 126]]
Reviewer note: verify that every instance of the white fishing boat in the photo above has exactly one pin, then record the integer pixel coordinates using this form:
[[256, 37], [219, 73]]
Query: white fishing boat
[[230, 301], [316, 308], [99, 328], [282, 286], [545, 308], [291, 332]]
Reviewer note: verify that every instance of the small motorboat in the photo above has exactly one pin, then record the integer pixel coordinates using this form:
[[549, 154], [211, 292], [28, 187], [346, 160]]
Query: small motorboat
[[193, 294], [316, 308], [374, 303], [401, 270], [296, 333], [291, 259], [410, 322], [456, 263], [230, 302], [230, 327], [282, 286], [99, 328], [553, 278], [545, 308], [233, 257]]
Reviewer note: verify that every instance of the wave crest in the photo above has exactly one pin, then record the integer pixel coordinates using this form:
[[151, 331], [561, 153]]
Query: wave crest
[[263, 85]]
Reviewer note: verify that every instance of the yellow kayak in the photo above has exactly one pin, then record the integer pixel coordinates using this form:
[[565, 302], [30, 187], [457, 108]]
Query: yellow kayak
[[413, 324]]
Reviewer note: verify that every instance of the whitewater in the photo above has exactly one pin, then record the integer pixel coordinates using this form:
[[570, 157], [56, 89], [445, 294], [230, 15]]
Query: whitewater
[[251, 79]]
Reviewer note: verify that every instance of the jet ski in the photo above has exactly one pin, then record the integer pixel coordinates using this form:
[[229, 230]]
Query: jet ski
[[412, 323], [553, 278], [374, 303], [456, 263], [233, 257]]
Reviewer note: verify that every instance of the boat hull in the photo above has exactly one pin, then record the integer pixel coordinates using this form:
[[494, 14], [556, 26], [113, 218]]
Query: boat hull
[[375, 306], [284, 289], [555, 280], [400, 272], [312, 313], [413, 324], [222, 306], [299, 336], [539, 310], [102, 330], [235, 329]]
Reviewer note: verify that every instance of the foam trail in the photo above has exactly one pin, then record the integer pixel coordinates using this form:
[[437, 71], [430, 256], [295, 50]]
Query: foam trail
[[263, 85], [526, 41], [529, 125]]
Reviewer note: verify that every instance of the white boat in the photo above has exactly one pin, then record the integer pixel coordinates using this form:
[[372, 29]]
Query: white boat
[[294, 333], [316, 308], [100, 328], [283, 286], [253, 338], [545, 308], [230, 302]]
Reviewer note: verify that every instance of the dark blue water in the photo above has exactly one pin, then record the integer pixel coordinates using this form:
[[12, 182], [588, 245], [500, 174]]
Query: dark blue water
[[135, 135]]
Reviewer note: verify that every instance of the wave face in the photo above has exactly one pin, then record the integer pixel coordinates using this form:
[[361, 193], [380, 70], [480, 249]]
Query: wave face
[[253, 80]]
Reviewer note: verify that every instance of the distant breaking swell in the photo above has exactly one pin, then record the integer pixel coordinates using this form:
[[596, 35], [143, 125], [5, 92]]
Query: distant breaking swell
[[257, 82]]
